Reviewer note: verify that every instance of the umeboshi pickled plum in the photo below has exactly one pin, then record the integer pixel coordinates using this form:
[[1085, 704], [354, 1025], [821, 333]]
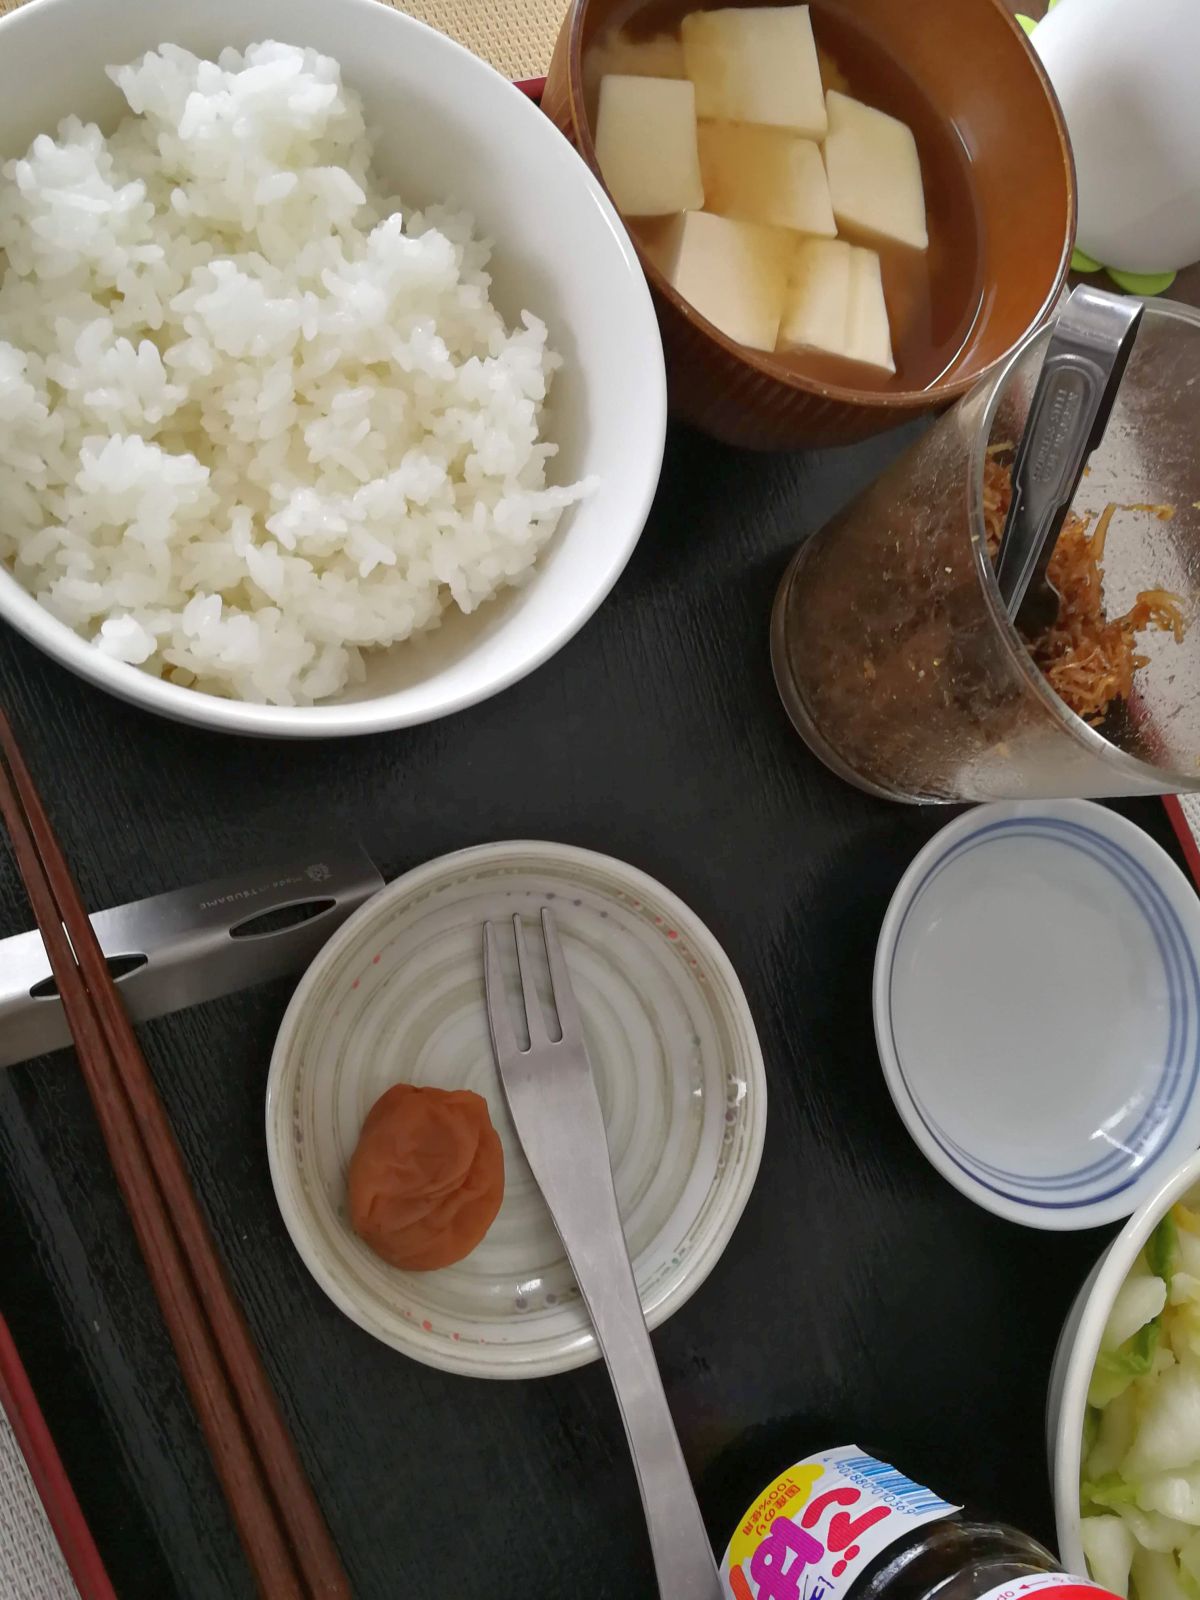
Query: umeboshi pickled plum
[[427, 1176]]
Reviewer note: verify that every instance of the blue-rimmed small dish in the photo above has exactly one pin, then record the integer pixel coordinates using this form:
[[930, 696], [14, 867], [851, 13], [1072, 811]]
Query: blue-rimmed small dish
[[1037, 1011]]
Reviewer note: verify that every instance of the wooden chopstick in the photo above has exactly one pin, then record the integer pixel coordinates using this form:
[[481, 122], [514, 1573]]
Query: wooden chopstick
[[281, 1526]]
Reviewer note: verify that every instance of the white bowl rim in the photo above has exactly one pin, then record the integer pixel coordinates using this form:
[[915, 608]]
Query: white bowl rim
[[1120, 1256], [1155, 859], [380, 714], [401, 888]]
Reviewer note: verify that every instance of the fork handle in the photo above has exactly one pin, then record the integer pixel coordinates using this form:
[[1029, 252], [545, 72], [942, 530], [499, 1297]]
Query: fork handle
[[683, 1562]]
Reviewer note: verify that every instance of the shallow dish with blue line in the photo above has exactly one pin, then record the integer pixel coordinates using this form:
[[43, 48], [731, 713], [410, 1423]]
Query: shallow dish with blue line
[[1037, 1011]]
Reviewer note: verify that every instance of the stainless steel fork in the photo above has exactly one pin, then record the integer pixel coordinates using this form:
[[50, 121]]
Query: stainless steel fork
[[554, 1105]]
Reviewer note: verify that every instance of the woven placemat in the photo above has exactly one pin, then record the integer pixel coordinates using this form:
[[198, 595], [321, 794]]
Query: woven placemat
[[1184, 812], [516, 36], [31, 1563]]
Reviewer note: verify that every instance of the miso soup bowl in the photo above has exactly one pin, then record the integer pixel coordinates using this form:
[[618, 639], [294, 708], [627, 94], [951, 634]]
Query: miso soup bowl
[[974, 66]]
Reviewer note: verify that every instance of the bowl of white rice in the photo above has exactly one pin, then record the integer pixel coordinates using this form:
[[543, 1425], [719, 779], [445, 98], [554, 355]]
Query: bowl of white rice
[[331, 393]]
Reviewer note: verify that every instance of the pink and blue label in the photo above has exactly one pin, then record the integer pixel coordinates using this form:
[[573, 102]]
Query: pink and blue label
[[812, 1532]]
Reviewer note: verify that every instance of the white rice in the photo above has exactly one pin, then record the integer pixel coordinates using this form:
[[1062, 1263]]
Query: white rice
[[255, 418]]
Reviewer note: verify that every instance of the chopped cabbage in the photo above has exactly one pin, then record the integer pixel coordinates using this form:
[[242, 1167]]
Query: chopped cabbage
[[1162, 1249], [1108, 1544], [1168, 1432], [1155, 1532], [1189, 1559], [1156, 1576], [1140, 1487], [1115, 1427], [1175, 1494], [1110, 1493], [1116, 1369], [1187, 1241], [1139, 1300]]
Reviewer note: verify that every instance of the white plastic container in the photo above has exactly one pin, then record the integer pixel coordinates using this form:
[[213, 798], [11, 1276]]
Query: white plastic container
[[1126, 72]]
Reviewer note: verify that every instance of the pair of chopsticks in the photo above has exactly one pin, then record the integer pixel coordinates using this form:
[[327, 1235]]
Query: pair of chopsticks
[[282, 1531]]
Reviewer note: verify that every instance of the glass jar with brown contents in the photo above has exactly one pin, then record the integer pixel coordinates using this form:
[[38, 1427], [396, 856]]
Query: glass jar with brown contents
[[894, 655], [845, 1525]]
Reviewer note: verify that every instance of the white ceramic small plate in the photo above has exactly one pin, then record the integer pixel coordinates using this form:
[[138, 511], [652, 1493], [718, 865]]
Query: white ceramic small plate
[[397, 996], [1037, 1010]]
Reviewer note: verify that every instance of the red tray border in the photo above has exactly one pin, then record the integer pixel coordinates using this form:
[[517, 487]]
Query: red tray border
[[1183, 832]]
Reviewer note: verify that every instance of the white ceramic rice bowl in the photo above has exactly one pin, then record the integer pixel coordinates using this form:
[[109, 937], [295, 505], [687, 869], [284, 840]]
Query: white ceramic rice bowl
[[447, 127]]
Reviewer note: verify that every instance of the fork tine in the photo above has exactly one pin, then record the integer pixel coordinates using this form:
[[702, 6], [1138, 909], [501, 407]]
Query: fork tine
[[569, 1025], [535, 1021], [504, 1038]]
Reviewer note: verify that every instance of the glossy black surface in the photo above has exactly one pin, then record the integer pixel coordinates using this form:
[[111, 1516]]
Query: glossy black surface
[[860, 1299]]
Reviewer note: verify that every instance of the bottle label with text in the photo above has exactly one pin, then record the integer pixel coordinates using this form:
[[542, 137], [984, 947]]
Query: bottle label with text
[[811, 1533]]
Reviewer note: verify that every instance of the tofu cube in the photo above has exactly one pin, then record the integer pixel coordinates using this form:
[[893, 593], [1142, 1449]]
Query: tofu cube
[[657, 57], [756, 64], [646, 145], [733, 273], [874, 174], [868, 336], [817, 310], [835, 304], [760, 174]]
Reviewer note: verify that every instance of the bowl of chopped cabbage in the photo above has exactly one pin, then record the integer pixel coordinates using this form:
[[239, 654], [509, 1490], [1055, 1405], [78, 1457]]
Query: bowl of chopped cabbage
[[1123, 1414]]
